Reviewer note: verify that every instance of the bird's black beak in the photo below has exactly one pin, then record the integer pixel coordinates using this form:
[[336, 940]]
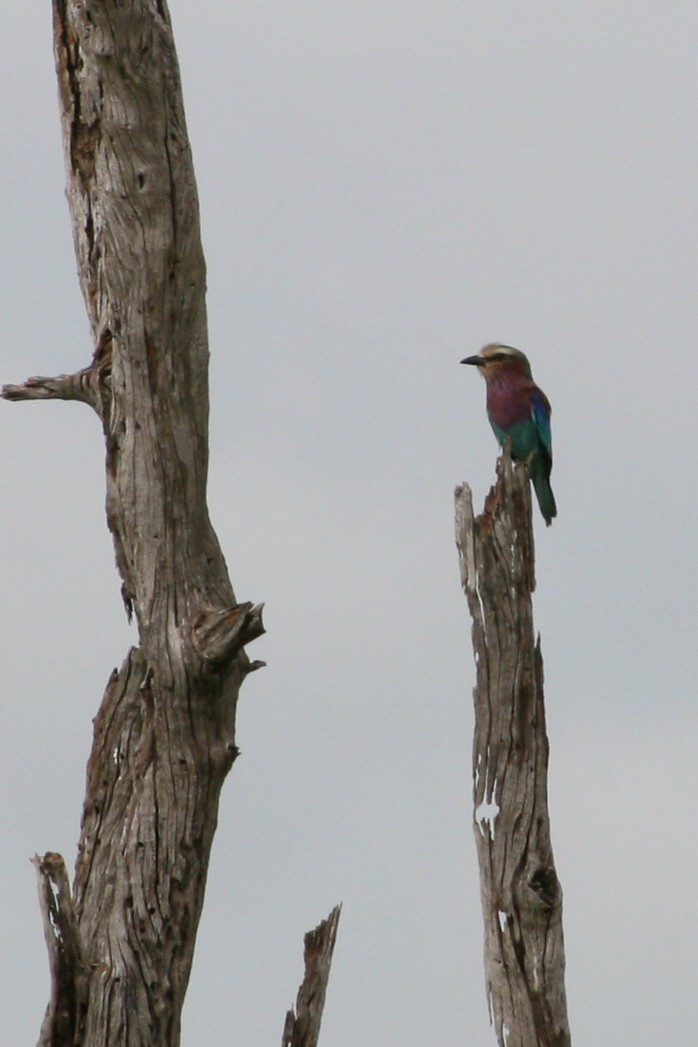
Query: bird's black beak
[[476, 360]]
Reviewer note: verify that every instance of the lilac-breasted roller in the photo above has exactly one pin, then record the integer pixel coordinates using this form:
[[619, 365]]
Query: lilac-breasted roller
[[520, 412]]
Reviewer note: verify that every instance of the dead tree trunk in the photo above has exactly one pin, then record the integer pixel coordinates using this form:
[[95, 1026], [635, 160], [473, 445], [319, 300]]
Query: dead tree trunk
[[302, 1025], [164, 739], [520, 891]]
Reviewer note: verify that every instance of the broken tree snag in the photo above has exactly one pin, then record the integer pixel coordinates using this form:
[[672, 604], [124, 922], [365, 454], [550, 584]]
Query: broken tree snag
[[520, 891], [164, 737], [302, 1026], [65, 1011]]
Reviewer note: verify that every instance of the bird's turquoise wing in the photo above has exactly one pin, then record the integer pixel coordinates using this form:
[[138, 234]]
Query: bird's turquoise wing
[[541, 416]]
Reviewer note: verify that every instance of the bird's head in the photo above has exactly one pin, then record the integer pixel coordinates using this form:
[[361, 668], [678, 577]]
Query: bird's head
[[496, 359]]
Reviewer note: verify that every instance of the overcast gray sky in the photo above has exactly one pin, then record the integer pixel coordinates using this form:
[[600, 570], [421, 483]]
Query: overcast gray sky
[[384, 187]]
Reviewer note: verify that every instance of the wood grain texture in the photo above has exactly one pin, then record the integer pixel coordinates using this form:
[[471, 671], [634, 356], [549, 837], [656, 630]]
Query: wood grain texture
[[302, 1026], [164, 737], [68, 972], [520, 892]]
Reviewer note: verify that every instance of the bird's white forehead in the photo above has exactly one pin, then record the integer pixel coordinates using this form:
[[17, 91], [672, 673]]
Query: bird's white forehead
[[498, 348]]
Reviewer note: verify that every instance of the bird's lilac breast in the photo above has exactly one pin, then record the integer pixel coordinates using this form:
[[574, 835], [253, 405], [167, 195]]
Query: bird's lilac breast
[[508, 403]]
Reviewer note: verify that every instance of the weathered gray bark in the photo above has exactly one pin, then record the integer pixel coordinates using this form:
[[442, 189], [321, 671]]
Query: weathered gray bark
[[164, 738], [302, 1026], [521, 894]]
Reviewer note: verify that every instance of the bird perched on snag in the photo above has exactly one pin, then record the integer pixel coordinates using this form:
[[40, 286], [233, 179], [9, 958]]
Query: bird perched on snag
[[519, 412]]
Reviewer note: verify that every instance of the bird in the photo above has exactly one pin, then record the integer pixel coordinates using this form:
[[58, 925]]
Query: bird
[[519, 412]]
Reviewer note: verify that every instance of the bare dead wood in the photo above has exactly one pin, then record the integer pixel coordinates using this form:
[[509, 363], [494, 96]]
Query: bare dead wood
[[218, 635], [65, 1011], [164, 738], [520, 891], [81, 386], [302, 1026]]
